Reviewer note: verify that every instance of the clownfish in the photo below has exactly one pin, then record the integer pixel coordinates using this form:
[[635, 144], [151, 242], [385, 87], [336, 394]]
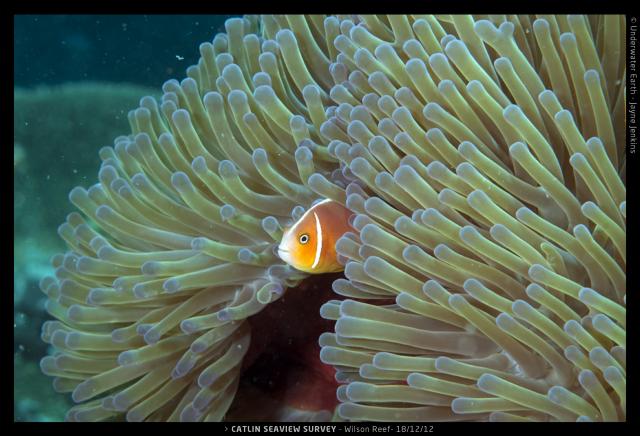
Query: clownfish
[[309, 245]]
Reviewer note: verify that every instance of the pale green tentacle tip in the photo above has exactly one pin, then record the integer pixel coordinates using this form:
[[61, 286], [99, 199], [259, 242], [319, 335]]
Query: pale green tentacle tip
[[489, 383], [567, 38], [228, 212], [227, 169], [518, 149], [486, 30], [589, 296], [563, 116], [589, 208], [538, 272], [503, 65], [303, 155], [463, 405], [432, 287], [573, 327], [456, 301], [540, 24], [592, 77], [581, 232], [547, 97], [445, 364], [613, 375], [432, 110], [588, 380], [557, 394], [260, 157], [603, 324]]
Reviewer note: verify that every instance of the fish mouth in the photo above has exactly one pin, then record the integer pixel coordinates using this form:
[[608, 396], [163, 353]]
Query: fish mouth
[[282, 250], [284, 255]]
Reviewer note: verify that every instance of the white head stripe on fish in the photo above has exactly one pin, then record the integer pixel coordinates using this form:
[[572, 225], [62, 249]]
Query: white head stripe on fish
[[319, 241], [307, 212]]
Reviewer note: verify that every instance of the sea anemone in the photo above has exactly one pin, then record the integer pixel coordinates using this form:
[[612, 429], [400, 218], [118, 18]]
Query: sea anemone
[[491, 211], [483, 159]]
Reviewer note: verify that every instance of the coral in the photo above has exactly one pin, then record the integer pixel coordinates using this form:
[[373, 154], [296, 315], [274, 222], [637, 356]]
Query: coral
[[32, 401], [59, 117], [54, 150], [482, 158]]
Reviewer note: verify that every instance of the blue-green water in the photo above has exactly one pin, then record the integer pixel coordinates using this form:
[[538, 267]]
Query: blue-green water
[[76, 77]]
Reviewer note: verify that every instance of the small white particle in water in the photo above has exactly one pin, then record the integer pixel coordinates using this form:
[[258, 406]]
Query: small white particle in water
[[21, 347], [75, 171], [180, 58]]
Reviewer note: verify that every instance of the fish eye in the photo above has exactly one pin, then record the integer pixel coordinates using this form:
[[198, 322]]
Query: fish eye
[[304, 238]]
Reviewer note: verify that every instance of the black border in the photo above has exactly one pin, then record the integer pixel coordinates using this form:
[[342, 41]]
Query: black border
[[228, 7]]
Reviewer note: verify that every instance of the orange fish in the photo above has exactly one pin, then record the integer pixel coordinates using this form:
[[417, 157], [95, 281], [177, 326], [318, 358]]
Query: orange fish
[[310, 244]]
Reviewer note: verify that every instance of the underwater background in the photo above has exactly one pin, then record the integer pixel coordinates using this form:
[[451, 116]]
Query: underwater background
[[75, 78]]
